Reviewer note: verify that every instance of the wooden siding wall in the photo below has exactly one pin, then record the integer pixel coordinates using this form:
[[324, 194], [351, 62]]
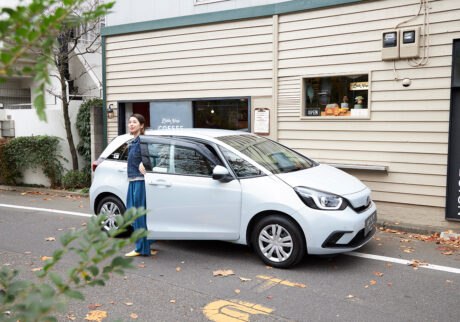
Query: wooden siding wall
[[408, 129], [219, 60]]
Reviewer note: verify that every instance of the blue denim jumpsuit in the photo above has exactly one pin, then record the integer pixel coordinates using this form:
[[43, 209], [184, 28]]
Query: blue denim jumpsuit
[[136, 193]]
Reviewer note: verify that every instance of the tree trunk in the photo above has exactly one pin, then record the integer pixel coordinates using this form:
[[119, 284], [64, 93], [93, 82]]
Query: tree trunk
[[68, 125]]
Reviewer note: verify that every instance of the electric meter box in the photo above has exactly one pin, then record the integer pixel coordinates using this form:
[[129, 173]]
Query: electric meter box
[[390, 45], [409, 44]]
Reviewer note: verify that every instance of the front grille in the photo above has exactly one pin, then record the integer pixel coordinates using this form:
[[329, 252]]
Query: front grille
[[362, 208]]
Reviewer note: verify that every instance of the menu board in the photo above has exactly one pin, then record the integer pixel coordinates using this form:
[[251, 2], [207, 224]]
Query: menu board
[[262, 121]]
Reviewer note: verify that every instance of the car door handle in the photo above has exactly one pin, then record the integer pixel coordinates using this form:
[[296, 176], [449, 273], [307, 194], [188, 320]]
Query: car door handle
[[159, 183]]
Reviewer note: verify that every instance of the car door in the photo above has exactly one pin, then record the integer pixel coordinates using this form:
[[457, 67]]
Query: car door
[[183, 199]]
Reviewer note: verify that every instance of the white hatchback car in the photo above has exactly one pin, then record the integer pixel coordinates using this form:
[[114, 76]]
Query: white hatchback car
[[206, 184]]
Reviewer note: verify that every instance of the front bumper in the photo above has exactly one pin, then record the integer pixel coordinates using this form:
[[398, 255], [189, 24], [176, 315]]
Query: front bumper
[[330, 232]]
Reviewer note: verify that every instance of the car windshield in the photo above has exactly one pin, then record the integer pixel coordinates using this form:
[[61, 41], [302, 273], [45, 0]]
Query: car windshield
[[271, 155]]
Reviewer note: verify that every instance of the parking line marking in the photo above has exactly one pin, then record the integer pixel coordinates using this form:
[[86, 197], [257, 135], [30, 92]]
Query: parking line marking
[[72, 213], [404, 262]]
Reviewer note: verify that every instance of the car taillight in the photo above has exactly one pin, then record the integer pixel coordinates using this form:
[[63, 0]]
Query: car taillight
[[96, 163]]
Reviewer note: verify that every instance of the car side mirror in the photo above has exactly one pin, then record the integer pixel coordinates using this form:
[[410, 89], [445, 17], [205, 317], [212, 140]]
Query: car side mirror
[[221, 173]]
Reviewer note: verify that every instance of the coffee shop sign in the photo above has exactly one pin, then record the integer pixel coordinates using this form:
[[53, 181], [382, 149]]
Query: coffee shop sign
[[170, 123]]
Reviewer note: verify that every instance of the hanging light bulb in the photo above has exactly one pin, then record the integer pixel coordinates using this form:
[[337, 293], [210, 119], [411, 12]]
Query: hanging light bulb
[[212, 111]]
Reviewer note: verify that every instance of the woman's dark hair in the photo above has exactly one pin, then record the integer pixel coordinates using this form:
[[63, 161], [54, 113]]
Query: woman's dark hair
[[141, 120]]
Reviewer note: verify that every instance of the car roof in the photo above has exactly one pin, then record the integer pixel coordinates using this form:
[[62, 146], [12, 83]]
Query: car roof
[[196, 132], [193, 132]]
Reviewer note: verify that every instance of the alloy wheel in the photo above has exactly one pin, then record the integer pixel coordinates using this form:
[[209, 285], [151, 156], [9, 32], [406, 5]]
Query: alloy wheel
[[110, 211], [275, 243]]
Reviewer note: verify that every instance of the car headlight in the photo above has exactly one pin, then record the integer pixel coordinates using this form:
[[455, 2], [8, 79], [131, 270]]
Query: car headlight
[[321, 200]]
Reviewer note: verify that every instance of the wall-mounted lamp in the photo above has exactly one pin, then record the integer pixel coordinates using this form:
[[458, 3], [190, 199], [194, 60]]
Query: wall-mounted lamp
[[110, 113]]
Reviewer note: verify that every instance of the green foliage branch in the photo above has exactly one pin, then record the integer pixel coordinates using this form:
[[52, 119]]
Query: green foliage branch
[[33, 152], [35, 27], [83, 125], [24, 300]]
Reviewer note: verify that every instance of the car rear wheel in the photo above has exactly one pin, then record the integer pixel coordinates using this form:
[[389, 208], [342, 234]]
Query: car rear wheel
[[278, 241], [111, 207]]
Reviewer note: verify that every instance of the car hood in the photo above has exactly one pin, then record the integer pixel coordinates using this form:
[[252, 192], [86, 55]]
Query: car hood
[[324, 178]]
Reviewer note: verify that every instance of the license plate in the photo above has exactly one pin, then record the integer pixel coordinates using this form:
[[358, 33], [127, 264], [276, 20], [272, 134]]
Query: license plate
[[369, 223]]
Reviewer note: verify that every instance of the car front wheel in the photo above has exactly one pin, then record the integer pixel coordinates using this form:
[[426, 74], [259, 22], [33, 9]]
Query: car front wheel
[[278, 241], [111, 207]]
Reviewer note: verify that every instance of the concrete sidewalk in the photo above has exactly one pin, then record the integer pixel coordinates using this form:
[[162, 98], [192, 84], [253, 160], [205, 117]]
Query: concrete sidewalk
[[409, 218]]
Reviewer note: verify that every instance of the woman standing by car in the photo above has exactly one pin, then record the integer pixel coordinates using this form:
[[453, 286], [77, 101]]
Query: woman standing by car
[[136, 188]]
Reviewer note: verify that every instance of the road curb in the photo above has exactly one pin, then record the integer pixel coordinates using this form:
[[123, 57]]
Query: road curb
[[411, 228], [43, 190]]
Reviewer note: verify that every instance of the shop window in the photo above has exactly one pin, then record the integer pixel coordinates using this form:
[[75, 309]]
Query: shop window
[[336, 96], [231, 114]]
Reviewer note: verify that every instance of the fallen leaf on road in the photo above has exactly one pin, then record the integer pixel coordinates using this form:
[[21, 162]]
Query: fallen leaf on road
[[27, 253], [389, 265], [128, 303], [178, 268], [237, 291], [47, 199], [268, 267], [23, 193], [300, 285], [94, 306], [377, 273], [134, 316], [36, 269], [415, 263], [379, 244], [153, 252], [449, 281], [367, 286], [96, 315], [141, 266], [377, 239], [244, 279], [81, 206], [334, 267], [396, 223], [404, 241], [111, 302], [389, 284], [372, 282], [172, 301], [71, 317], [223, 273], [350, 296], [449, 252], [84, 224], [50, 239], [270, 297], [44, 258]]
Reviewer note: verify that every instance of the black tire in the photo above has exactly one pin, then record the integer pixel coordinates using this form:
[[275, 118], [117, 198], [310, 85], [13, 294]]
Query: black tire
[[111, 206], [285, 238]]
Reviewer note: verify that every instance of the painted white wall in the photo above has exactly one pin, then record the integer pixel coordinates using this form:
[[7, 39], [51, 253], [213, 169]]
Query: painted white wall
[[27, 123], [131, 11]]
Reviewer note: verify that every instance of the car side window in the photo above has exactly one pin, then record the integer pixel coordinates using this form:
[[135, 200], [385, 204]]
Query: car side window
[[176, 159], [189, 161], [120, 154], [241, 167]]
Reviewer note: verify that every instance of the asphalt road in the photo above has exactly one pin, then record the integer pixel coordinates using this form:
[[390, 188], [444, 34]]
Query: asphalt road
[[342, 288]]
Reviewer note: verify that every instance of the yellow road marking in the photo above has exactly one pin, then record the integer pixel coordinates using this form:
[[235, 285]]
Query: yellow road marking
[[271, 281], [233, 311]]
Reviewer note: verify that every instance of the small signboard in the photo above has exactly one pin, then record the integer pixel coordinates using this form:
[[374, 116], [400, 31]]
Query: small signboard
[[316, 111], [358, 86], [262, 121]]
